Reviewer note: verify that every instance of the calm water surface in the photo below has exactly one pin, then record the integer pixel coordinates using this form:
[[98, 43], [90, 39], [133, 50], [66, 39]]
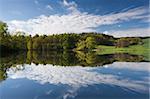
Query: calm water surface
[[118, 80]]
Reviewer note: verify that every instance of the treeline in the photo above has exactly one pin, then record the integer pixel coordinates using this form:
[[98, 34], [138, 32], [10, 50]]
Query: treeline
[[84, 41], [71, 58], [11, 42], [62, 58]]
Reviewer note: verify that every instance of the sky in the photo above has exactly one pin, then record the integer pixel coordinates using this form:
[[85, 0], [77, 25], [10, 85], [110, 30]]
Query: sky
[[119, 18]]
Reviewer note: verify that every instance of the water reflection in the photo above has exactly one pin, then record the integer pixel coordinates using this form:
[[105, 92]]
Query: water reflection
[[75, 76], [67, 75], [118, 76], [63, 59]]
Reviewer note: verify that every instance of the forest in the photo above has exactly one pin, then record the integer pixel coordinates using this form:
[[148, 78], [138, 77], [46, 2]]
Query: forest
[[71, 41]]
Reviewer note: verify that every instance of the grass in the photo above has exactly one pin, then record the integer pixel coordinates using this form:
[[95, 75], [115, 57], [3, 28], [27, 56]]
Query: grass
[[143, 49]]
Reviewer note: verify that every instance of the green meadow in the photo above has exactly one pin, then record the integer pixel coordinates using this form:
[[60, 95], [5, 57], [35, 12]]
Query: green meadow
[[140, 49]]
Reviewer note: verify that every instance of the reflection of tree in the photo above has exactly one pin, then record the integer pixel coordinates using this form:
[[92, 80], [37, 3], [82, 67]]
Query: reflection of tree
[[86, 58], [29, 57], [63, 58], [127, 57], [92, 59], [16, 58], [3, 74], [68, 58]]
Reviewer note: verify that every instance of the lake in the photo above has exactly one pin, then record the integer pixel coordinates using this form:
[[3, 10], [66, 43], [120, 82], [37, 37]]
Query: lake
[[73, 75]]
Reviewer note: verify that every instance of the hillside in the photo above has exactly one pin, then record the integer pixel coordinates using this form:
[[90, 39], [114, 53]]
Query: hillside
[[140, 49]]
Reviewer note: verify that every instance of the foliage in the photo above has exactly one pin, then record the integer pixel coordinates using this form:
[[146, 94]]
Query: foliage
[[126, 41], [140, 49], [62, 58], [83, 41], [3, 29]]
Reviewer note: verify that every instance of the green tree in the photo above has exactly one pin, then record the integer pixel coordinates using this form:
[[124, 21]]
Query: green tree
[[81, 45], [3, 29], [87, 44], [90, 42], [29, 43]]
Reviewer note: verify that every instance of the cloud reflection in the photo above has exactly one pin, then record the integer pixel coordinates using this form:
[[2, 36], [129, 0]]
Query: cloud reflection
[[77, 76]]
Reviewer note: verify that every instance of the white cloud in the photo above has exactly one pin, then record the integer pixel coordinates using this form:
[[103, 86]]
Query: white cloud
[[75, 21], [133, 32], [49, 7], [71, 6]]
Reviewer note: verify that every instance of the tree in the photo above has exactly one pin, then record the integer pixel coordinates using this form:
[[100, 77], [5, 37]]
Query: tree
[[122, 42], [37, 43], [3, 29], [29, 43], [90, 42], [5, 38], [87, 44], [81, 45], [126, 41]]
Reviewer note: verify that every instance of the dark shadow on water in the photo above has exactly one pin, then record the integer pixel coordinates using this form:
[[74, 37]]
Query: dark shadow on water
[[68, 58], [63, 58]]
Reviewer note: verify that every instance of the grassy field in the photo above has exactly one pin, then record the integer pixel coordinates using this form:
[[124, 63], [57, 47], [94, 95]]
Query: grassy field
[[143, 49]]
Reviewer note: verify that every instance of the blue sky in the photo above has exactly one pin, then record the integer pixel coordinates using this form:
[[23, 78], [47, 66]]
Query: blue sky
[[108, 16]]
